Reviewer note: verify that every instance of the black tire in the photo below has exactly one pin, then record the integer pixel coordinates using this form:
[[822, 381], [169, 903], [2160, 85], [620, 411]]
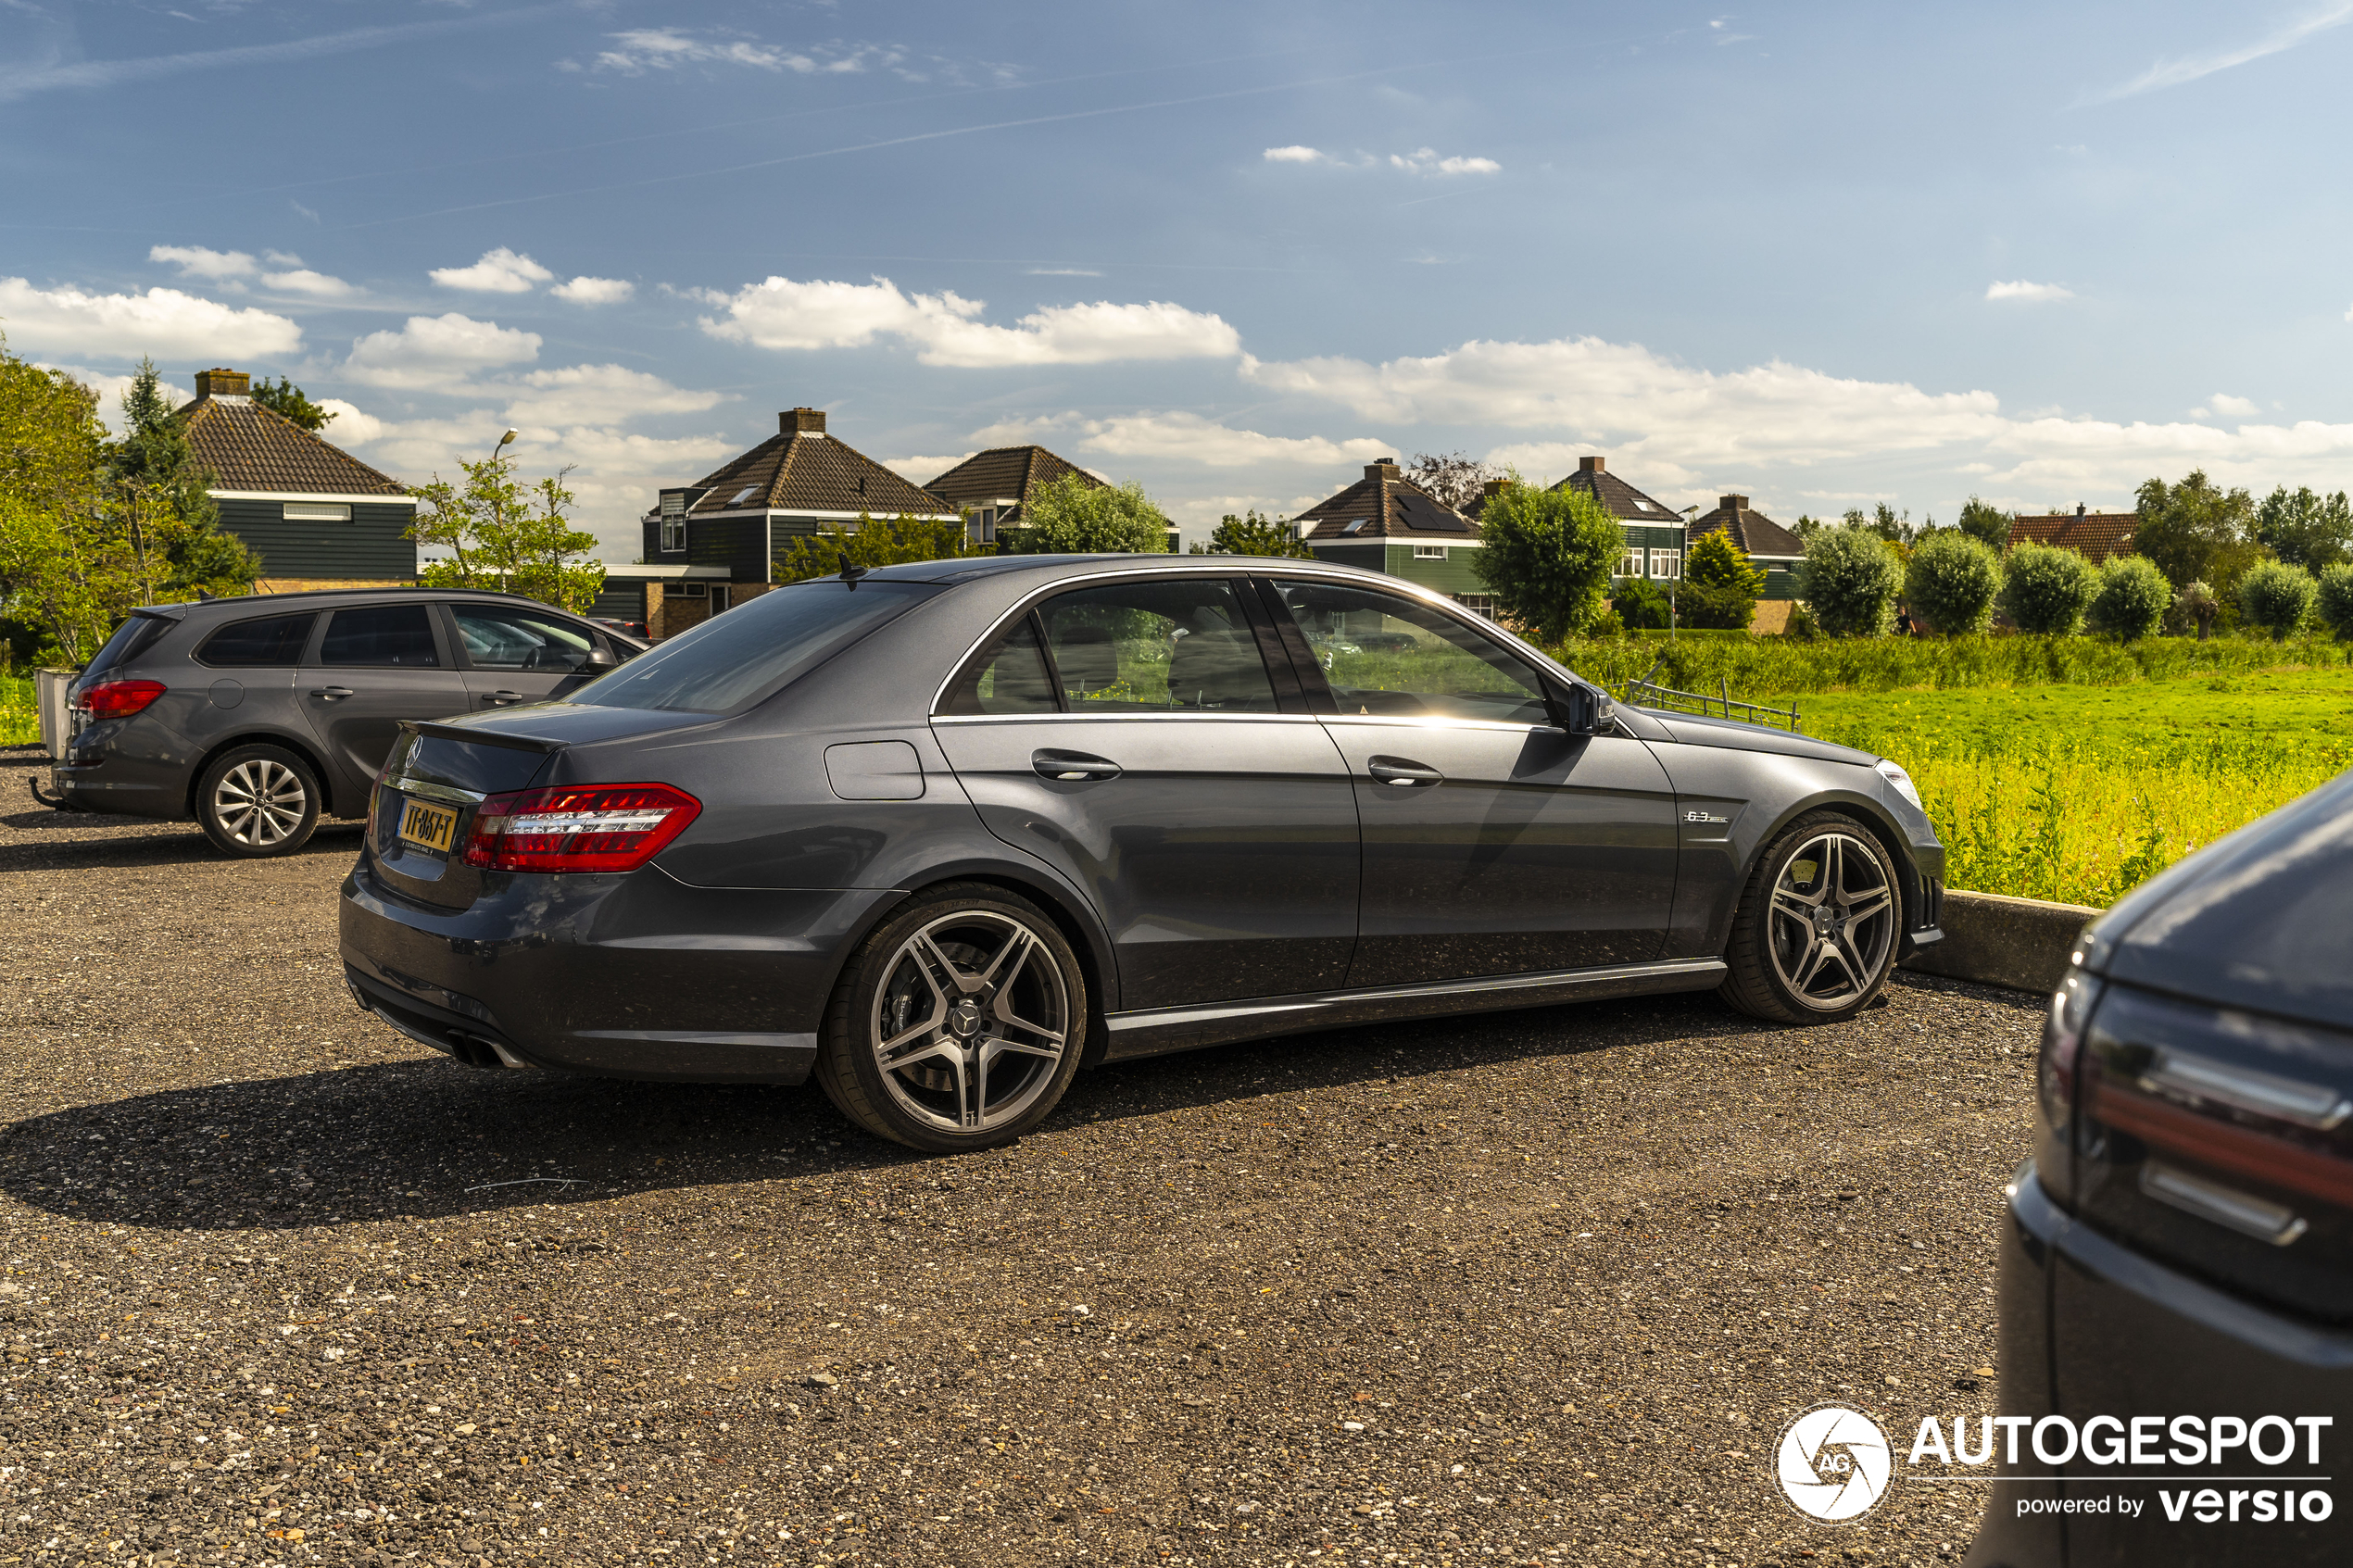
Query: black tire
[[258, 801], [969, 1022], [1819, 922]]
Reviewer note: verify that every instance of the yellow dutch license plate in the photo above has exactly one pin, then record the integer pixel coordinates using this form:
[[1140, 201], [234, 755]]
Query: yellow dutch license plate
[[429, 827]]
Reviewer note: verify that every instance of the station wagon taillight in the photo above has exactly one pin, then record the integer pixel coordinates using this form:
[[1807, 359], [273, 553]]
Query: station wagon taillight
[[117, 699], [578, 827]]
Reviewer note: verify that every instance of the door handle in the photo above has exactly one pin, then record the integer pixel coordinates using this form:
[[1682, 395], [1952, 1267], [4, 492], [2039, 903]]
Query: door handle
[[1065, 767], [500, 699], [1401, 772], [332, 694]]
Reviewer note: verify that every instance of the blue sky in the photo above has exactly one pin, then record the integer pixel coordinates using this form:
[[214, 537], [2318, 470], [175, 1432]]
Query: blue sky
[[1820, 253]]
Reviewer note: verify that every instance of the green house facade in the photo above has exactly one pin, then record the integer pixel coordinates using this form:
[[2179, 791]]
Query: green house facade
[[1386, 524]]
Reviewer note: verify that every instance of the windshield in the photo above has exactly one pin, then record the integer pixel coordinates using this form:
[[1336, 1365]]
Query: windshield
[[738, 658]]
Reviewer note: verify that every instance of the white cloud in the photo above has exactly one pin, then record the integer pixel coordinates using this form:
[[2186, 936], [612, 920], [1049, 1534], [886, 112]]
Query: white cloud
[[318, 285], [350, 426], [196, 261], [1189, 438], [1295, 154], [2223, 406], [163, 322], [498, 272], [782, 313], [437, 352], [2021, 289], [282, 258], [595, 291], [1427, 161], [601, 394], [666, 48], [2173, 73]]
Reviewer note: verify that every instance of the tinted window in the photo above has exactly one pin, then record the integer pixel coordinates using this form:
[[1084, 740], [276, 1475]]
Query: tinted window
[[276, 639], [1178, 643], [380, 634], [130, 639], [734, 659], [497, 638], [1009, 677], [1385, 654]]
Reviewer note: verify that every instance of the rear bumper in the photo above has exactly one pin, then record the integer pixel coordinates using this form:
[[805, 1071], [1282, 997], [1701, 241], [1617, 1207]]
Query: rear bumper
[[635, 977], [2091, 1327]]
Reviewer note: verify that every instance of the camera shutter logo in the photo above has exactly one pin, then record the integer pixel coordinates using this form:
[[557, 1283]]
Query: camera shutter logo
[[1833, 1464]]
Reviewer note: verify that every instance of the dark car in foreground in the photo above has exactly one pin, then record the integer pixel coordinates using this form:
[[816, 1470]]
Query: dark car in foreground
[[258, 715], [2177, 1269], [943, 832]]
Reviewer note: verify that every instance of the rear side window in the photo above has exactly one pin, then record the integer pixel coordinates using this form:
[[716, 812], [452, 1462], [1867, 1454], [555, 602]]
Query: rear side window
[[398, 634], [275, 639], [1010, 677], [733, 660], [130, 639]]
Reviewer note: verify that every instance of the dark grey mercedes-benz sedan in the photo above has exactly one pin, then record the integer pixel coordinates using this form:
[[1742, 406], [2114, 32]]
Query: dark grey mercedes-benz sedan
[[943, 832]]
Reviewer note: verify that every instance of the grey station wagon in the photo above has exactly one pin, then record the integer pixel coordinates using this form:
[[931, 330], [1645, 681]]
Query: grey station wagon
[[258, 715], [941, 833]]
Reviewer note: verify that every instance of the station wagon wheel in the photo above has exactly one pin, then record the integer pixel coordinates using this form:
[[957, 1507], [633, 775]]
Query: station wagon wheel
[[1815, 936], [958, 1025], [256, 801]]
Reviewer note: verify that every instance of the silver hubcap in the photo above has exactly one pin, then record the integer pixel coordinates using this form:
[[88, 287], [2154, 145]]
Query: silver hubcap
[[971, 1022], [1833, 921], [259, 802]]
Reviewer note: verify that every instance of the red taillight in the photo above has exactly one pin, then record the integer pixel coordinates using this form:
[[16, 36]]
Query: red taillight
[[118, 700], [578, 827]]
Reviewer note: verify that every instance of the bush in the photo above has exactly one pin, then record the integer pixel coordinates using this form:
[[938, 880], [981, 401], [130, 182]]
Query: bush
[[2048, 590], [1547, 555], [1952, 580], [2336, 599], [2277, 596], [1076, 516], [2133, 598], [1641, 604], [1720, 585], [1848, 579]]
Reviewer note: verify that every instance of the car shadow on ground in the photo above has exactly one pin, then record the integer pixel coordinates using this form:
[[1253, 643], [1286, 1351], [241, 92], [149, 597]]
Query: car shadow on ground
[[431, 1139], [62, 840]]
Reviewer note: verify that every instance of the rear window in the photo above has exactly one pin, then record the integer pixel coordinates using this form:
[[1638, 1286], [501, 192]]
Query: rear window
[[276, 639], [733, 660], [130, 639]]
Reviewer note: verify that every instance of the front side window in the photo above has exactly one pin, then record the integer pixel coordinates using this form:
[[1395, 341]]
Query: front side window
[[1387, 656], [732, 661], [498, 638], [380, 634], [274, 639], [1170, 645]]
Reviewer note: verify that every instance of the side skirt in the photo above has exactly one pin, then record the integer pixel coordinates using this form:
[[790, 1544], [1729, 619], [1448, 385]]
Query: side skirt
[[1160, 1030]]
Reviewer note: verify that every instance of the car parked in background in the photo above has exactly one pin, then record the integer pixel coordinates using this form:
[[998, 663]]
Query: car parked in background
[[938, 832], [632, 629], [2180, 1244], [258, 715]]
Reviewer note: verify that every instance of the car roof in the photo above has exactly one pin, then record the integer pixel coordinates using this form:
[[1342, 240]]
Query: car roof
[[974, 567], [313, 596]]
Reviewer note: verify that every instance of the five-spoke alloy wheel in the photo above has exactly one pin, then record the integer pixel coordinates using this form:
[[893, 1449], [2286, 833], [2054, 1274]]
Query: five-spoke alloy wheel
[[959, 1024], [1818, 928], [256, 801]]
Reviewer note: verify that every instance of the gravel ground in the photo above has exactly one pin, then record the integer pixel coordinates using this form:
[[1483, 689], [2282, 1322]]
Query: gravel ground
[[1543, 1287]]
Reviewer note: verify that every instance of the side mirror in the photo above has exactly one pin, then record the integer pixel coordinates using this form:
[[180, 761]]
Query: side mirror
[[1580, 709], [601, 658]]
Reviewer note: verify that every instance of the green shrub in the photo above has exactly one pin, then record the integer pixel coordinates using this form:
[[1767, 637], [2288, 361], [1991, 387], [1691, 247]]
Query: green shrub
[[2133, 598], [1719, 584], [2048, 589], [1073, 516], [2277, 596], [1848, 579], [2336, 599], [1952, 580], [1546, 556], [1641, 604]]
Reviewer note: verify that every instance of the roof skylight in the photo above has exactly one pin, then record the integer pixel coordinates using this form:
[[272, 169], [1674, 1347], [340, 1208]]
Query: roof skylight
[[745, 494]]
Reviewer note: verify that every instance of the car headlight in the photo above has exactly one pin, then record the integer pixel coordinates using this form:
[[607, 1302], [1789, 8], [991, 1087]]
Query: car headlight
[[1902, 780]]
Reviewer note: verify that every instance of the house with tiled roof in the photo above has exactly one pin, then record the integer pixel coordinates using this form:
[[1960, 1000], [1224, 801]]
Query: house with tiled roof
[[317, 516], [1385, 522], [1653, 529], [2096, 536], [799, 481], [1771, 549]]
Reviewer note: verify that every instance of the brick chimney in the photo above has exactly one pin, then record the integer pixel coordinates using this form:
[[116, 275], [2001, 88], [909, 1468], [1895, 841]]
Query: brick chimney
[[810, 422], [1732, 503], [2079, 509], [219, 382], [1385, 468], [1491, 486], [1589, 465]]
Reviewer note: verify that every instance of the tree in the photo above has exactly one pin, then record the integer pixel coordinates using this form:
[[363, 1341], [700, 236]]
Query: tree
[[1849, 579], [505, 538], [2304, 529], [1457, 479], [1985, 521], [1252, 534], [1887, 523], [2196, 529], [1641, 605], [2198, 604], [2048, 589], [285, 399], [1952, 580], [1719, 584], [1547, 555], [1074, 517], [2335, 599], [2277, 596], [158, 482], [877, 541], [2132, 599], [65, 565]]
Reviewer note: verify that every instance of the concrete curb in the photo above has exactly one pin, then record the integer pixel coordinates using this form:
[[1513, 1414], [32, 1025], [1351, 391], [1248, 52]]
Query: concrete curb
[[1996, 940]]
